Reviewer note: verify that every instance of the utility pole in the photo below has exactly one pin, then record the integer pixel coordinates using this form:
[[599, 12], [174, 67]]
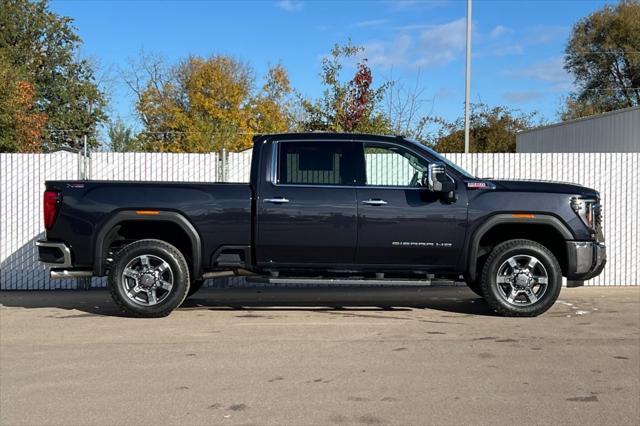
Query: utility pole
[[467, 85]]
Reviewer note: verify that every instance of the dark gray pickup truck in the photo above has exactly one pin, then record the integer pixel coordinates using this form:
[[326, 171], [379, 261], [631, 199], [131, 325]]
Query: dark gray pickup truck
[[347, 208]]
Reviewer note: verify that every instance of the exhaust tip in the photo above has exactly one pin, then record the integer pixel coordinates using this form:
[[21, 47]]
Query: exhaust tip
[[61, 274]]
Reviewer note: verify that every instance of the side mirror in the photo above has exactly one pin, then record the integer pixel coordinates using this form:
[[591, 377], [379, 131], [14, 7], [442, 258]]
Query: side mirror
[[437, 179]]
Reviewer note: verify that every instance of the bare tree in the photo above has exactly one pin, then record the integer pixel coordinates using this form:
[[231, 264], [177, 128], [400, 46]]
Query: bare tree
[[145, 71], [405, 106]]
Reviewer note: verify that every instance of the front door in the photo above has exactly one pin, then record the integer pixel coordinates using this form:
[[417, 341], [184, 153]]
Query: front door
[[307, 214], [401, 223]]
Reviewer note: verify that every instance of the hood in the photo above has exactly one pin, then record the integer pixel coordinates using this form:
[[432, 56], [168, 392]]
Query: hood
[[543, 186]]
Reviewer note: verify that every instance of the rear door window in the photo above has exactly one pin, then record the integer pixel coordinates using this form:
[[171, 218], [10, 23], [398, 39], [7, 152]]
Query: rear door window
[[319, 163]]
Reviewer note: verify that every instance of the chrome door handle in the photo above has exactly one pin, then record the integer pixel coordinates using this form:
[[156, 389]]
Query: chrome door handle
[[375, 202], [279, 200]]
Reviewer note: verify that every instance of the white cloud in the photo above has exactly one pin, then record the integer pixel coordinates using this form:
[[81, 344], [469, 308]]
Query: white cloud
[[388, 54], [451, 35], [290, 5], [431, 46], [499, 30], [550, 71], [444, 93], [502, 40], [522, 96], [409, 27], [370, 23], [508, 49], [440, 44], [543, 34], [413, 4]]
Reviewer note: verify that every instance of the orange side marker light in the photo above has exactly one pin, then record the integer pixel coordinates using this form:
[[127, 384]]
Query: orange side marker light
[[523, 215]]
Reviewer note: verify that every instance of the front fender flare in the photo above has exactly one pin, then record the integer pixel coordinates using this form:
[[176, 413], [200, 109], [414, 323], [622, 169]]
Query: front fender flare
[[500, 219]]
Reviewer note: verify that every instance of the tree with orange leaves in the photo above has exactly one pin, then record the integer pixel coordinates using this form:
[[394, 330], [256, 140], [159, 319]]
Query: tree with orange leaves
[[21, 124], [206, 104]]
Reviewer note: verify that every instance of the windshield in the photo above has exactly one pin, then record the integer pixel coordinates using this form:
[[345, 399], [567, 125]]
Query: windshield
[[443, 159]]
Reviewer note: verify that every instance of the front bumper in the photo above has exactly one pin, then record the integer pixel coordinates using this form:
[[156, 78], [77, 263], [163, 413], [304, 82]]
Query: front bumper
[[586, 259]]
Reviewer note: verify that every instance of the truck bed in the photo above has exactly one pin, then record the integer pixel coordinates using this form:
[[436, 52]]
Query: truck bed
[[220, 212]]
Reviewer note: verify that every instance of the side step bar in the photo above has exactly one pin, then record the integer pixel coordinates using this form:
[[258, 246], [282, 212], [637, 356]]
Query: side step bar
[[349, 281]]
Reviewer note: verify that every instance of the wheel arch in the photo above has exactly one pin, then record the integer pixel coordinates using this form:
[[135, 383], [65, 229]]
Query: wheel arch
[[525, 223], [101, 241]]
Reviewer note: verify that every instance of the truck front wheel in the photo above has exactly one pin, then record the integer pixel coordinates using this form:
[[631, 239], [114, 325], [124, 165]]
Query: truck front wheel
[[149, 278], [521, 278]]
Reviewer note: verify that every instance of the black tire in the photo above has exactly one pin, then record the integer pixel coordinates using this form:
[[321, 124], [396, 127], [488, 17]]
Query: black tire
[[194, 287], [475, 286], [158, 250], [521, 248]]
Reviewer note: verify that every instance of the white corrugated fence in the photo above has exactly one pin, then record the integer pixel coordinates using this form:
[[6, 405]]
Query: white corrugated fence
[[22, 176]]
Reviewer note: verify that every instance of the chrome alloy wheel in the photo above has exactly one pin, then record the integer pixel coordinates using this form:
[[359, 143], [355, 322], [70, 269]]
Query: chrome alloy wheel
[[522, 280], [147, 280]]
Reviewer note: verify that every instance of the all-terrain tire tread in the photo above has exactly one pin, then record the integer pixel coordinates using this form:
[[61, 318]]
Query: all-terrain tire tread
[[486, 278], [178, 256]]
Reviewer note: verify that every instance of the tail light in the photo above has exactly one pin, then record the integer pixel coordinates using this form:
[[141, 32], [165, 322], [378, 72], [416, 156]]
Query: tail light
[[51, 205]]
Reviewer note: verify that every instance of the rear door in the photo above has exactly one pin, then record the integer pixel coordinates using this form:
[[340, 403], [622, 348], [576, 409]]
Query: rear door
[[400, 222], [306, 208]]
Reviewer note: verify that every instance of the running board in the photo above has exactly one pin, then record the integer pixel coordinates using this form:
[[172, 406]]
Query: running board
[[350, 281]]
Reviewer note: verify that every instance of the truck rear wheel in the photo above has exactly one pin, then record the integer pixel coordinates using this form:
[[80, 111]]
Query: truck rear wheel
[[149, 278], [521, 278]]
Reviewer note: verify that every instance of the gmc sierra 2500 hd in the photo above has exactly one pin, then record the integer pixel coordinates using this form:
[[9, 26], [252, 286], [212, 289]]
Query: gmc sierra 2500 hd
[[348, 208]]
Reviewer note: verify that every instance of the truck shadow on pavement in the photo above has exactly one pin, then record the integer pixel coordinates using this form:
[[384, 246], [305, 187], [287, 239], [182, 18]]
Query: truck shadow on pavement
[[98, 302]]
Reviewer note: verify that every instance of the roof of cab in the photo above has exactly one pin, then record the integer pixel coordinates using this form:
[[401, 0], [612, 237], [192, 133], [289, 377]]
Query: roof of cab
[[324, 136]]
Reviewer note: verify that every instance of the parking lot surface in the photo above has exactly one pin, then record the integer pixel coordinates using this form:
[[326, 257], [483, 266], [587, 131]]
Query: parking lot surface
[[439, 356]]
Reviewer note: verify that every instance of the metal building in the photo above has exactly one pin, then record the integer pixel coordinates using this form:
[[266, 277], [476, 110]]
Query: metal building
[[615, 131]]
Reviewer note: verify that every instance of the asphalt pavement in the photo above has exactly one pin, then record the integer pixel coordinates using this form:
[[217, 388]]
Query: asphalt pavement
[[320, 356]]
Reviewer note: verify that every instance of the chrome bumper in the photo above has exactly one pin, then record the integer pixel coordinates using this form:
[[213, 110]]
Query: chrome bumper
[[586, 259], [58, 256], [54, 254]]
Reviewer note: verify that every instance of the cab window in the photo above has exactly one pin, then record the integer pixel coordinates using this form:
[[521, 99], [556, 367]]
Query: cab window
[[391, 165], [318, 163]]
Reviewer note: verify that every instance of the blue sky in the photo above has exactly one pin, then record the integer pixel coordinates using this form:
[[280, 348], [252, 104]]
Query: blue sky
[[517, 45]]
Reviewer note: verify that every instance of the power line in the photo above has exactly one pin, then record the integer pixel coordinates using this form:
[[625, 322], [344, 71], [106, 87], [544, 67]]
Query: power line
[[606, 52], [622, 89], [170, 132]]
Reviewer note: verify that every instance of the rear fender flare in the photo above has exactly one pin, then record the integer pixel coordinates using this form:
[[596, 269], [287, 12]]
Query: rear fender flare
[[161, 216]]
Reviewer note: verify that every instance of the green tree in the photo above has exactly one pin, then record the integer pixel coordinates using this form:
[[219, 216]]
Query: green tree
[[121, 137], [44, 47], [603, 55], [492, 129], [351, 106]]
